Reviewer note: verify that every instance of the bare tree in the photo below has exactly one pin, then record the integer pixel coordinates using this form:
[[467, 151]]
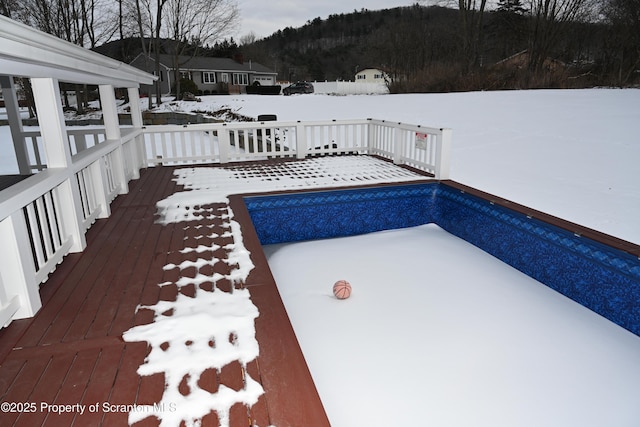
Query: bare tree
[[248, 39], [194, 23], [471, 18], [623, 53], [143, 22], [548, 20]]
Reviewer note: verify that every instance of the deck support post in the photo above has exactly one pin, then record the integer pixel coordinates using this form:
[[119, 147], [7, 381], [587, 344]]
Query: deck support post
[[15, 123], [18, 267], [112, 131], [46, 94], [443, 153]]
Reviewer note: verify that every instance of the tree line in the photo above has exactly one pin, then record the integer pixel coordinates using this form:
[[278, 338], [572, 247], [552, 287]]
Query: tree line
[[518, 44], [424, 47]]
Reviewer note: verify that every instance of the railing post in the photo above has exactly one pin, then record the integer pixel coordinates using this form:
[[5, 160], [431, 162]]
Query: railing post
[[112, 131], [224, 143], [18, 267], [15, 123], [46, 95], [98, 186], [398, 145], [443, 153], [301, 140], [370, 136], [137, 122]]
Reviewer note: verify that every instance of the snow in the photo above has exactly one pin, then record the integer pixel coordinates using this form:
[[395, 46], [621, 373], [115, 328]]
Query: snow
[[206, 330], [569, 153], [469, 340], [438, 332]]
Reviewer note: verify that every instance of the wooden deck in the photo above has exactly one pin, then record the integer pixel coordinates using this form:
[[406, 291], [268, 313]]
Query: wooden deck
[[72, 351]]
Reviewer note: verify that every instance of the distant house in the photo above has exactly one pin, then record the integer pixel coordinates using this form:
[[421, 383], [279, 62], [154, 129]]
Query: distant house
[[211, 75], [521, 60], [372, 75]]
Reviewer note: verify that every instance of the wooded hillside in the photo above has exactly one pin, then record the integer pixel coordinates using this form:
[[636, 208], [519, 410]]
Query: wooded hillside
[[425, 48]]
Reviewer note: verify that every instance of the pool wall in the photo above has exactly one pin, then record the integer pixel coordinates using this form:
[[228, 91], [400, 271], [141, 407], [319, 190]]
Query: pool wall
[[600, 277]]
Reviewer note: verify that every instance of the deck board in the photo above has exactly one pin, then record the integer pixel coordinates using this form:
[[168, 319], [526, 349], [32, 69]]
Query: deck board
[[72, 350]]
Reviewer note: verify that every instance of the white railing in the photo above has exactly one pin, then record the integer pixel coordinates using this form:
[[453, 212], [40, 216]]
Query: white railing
[[423, 148], [45, 216], [79, 140]]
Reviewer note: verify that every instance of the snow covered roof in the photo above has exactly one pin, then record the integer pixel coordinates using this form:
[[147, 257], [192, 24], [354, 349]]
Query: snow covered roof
[[27, 52]]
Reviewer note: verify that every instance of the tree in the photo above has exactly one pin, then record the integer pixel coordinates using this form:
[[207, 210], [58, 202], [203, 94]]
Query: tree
[[196, 23], [75, 21], [624, 41], [471, 17], [549, 18], [508, 28]]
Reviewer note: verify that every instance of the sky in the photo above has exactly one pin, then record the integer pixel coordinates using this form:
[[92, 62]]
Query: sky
[[265, 18]]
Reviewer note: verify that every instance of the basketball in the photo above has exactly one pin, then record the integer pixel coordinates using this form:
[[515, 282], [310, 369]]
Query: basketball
[[342, 289]]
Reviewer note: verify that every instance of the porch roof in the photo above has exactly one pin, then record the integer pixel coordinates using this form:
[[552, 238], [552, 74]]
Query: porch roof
[[27, 52]]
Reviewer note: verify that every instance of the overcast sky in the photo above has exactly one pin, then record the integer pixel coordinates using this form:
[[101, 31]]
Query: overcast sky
[[266, 17]]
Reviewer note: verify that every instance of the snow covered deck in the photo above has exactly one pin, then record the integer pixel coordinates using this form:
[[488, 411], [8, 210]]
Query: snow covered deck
[[73, 352], [108, 333]]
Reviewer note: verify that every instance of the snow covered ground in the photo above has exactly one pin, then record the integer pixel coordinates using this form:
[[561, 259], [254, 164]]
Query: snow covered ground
[[570, 153], [438, 332]]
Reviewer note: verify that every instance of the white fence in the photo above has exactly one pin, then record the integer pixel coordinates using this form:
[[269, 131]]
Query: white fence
[[46, 216], [423, 148], [79, 140], [349, 88]]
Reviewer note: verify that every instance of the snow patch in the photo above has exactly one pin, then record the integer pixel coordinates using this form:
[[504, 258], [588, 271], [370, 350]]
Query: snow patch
[[191, 334]]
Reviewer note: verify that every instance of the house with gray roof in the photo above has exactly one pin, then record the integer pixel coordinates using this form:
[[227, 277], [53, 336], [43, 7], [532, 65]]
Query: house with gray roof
[[211, 75]]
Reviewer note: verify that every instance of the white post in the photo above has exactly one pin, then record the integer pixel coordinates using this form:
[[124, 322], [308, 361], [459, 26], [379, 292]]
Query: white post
[[46, 94], [15, 123], [18, 267], [443, 153], [112, 131], [398, 145], [224, 144], [301, 141], [137, 122], [370, 135]]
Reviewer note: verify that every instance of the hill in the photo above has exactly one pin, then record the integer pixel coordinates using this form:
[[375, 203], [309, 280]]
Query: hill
[[422, 48]]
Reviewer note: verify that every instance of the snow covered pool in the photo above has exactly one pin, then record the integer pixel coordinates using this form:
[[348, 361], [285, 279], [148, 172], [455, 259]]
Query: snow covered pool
[[438, 332]]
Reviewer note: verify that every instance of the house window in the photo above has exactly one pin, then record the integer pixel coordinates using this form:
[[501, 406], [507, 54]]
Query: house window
[[225, 77], [240, 79], [185, 75], [362, 77], [208, 77]]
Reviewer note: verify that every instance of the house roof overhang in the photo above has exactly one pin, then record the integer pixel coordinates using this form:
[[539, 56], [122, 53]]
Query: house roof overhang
[[27, 52]]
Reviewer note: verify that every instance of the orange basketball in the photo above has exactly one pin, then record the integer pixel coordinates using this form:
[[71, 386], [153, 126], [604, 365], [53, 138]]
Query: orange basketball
[[342, 289]]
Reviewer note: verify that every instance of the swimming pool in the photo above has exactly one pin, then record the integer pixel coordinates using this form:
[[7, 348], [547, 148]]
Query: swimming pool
[[598, 276], [438, 332]]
